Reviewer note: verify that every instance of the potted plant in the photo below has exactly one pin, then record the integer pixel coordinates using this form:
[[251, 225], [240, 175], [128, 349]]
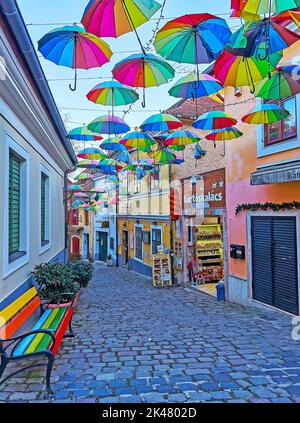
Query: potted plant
[[82, 272], [110, 261], [56, 284]]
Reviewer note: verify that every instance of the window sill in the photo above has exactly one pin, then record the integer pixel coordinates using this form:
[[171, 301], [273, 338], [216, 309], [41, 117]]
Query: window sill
[[45, 246], [15, 256], [14, 263]]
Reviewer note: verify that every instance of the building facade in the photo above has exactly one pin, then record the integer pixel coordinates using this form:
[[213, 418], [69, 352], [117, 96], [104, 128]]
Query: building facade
[[35, 157], [264, 167]]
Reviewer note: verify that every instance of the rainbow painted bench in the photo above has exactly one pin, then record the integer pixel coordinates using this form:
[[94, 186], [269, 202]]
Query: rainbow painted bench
[[45, 336]]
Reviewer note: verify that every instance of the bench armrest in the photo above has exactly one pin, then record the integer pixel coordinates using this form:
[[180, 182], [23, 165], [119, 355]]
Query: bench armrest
[[57, 296], [20, 338]]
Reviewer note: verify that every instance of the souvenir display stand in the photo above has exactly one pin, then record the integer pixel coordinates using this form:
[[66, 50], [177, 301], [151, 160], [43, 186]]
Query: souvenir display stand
[[161, 270], [178, 255]]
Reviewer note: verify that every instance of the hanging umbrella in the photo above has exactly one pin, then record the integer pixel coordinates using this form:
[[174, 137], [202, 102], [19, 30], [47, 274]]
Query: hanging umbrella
[[182, 138], [178, 161], [214, 120], [197, 38], [83, 134], [143, 70], [161, 122], [263, 7], [109, 125], [162, 156], [107, 18], [137, 140], [266, 114], [288, 17], [123, 156], [72, 47], [238, 71], [177, 147], [91, 154], [87, 164], [80, 194], [192, 87], [83, 177], [112, 144], [237, 11], [113, 94], [284, 83], [108, 165], [199, 152], [113, 201], [224, 134], [74, 187], [76, 204], [99, 190]]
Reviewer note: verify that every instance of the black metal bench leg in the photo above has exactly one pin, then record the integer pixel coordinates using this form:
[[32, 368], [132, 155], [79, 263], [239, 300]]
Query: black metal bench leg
[[48, 374], [71, 333]]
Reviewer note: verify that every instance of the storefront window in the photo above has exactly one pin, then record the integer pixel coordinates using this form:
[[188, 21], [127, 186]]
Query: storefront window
[[156, 240], [139, 242], [285, 129]]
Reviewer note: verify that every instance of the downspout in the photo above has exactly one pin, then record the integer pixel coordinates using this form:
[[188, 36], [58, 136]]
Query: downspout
[[66, 204], [171, 228]]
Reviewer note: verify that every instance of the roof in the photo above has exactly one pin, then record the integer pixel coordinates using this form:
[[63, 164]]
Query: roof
[[16, 25], [189, 109]]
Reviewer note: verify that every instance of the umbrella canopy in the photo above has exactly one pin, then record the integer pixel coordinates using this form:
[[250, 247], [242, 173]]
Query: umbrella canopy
[[161, 122], [124, 156], [72, 47], [237, 11], [284, 83], [112, 144], [224, 134], [137, 140], [143, 70], [107, 18], [99, 190], [109, 125], [162, 156], [83, 134], [74, 187], [84, 176], [87, 164], [107, 165], [266, 114], [263, 7], [80, 194], [91, 154], [182, 138], [76, 204], [214, 120], [177, 147], [112, 93], [199, 152], [238, 71], [191, 86], [196, 38]]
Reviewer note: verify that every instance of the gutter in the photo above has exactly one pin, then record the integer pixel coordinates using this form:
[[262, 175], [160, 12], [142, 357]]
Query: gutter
[[16, 24]]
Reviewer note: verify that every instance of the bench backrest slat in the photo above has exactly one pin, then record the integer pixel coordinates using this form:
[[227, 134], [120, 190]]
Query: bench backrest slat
[[17, 312]]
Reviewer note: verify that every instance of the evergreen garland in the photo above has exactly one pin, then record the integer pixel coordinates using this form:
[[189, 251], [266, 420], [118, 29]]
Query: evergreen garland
[[267, 206]]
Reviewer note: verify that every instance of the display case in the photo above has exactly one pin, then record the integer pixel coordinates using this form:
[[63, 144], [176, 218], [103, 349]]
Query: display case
[[209, 252], [161, 270], [178, 255]]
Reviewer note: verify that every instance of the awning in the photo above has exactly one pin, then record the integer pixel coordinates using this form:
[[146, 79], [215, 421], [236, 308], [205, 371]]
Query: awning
[[287, 172]]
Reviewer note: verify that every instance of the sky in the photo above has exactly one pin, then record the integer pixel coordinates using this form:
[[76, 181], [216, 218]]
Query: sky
[[43, 16]]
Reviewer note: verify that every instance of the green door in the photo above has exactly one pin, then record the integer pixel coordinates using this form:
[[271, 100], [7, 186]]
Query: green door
[[102, 246]]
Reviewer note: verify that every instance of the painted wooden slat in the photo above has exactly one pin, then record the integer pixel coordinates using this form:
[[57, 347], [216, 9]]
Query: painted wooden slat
[[46, 340], [20, 318], [62, 329], [24, 344], [37, 339], [7, 313]]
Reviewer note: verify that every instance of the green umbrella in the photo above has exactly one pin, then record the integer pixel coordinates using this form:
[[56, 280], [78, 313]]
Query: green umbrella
[[162, 156], [283, 83]]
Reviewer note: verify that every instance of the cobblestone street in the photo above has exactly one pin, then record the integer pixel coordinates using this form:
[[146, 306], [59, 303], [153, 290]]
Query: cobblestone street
[[135, 343]]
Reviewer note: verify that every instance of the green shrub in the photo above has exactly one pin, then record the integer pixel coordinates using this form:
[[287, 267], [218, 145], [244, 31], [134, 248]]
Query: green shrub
[[82, 272]]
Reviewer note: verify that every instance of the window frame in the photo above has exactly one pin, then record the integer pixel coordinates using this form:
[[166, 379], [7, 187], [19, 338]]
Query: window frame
[[135, 249], [156, 228], [282, 139], [10, 266], [45, 245], [155, 184]]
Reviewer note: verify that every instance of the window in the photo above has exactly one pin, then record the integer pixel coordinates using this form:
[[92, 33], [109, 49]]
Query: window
[[156, 239], [285, 129], [86, 218], [14, 206], [136, 185], [45, 209], [111, 243], [139, 242], [155, 181]]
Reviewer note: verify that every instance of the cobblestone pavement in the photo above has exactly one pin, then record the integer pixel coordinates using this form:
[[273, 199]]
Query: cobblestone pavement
[[135, 343]]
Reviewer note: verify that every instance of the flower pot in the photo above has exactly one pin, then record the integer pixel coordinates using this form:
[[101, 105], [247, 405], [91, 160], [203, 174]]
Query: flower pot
[[60, 305]]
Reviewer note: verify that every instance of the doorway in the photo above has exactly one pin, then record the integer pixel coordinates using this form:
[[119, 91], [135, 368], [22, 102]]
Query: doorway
[[86, 246], [274, 262], [125, 249], [101, 240]]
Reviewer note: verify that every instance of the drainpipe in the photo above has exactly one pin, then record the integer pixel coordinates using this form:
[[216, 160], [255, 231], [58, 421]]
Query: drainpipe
[[116, 217], [171, 229], [66, 203]]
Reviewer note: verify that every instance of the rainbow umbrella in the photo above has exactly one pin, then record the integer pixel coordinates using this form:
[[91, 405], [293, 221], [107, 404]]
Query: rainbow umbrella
[[161, 122], [191, 86], [83, 134], [177, 147], [87, 164], [113, 94], [84, 176], [123, 156], [99, 190], [182, 138], [199, 153], [178, 161], [72, 47], [214, 120], [91, 154], [197, 38], [162, 156], [238, 71], [80, 194], [137, 140], [113, 201], [109, 125], [109, 166], [237, 11], [107, 18], [74, 187], [284, 83], [266, 114], [143, 70], [263, 7], [76, 204], [112, 144], [224, 134]]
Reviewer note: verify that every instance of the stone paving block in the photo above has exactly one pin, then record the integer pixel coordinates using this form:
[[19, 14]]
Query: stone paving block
[[153, 397]]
